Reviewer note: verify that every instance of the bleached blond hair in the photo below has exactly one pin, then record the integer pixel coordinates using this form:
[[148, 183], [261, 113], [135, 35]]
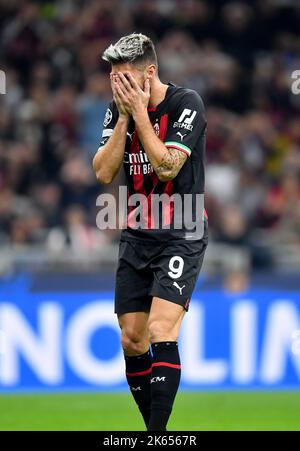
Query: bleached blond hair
[[133, 48]]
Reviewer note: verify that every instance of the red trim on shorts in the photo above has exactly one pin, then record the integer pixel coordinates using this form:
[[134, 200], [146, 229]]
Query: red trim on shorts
[[187, 303]]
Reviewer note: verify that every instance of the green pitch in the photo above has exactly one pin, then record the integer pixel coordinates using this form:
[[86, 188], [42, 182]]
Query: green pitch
[[192, 411]]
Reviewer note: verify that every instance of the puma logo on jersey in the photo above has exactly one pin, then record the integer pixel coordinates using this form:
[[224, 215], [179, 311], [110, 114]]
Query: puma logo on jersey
[[179, 288], [130, 135], [136, 388], [181, 136], [158, 379]]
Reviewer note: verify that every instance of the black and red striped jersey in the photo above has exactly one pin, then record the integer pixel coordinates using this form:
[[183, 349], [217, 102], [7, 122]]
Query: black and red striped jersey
[[179, 121]]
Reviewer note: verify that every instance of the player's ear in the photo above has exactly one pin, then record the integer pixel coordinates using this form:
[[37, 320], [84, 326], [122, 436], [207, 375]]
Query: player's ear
[[151, 71]]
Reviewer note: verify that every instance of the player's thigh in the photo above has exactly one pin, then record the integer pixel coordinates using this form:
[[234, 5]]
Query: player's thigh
[[164, 320], [133, 281], [176, 270], [134, 332]]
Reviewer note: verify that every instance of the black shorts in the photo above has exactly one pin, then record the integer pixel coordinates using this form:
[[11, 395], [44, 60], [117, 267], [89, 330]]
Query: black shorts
[[166, 270]]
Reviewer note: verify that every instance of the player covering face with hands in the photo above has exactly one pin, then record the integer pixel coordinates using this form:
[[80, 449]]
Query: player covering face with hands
[[130, 96], [157, 132]]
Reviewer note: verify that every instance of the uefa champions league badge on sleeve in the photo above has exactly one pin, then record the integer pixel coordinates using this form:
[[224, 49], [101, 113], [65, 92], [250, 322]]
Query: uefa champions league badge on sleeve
[[107, 117]]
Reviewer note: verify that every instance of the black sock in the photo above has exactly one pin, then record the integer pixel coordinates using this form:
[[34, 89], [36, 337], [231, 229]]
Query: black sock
[[138, 374], [165, 378]]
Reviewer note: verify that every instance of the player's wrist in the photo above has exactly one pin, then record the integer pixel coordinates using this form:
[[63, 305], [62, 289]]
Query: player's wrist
[[141, 116], [124, 119]]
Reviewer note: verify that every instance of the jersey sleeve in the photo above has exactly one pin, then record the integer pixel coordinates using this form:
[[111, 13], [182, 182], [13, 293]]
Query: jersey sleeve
[[187, 124], [109, 123]]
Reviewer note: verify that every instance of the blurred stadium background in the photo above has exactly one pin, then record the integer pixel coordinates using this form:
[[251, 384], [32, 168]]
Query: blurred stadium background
[[58, 334]]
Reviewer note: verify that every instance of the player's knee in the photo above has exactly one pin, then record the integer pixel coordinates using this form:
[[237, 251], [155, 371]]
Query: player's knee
[[160, 330], [133, 343]]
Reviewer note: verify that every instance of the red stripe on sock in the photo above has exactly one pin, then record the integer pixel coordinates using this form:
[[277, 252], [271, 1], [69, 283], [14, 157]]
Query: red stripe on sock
[[170, 365], [140, 373]]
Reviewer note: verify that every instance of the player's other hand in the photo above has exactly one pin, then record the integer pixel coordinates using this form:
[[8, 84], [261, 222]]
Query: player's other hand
[[121, 107], [134, 98]]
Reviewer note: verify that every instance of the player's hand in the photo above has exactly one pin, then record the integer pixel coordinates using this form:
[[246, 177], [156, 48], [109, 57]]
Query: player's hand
[[121, 108], [134, 99]]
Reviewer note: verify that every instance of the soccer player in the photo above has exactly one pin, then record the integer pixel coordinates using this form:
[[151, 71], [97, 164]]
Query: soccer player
[[157, 132]]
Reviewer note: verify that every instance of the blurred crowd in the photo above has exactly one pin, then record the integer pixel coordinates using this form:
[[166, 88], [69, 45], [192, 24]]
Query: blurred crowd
[[238, 55]]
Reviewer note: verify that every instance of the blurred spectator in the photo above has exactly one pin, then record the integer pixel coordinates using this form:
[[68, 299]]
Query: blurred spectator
[[77, 234]]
